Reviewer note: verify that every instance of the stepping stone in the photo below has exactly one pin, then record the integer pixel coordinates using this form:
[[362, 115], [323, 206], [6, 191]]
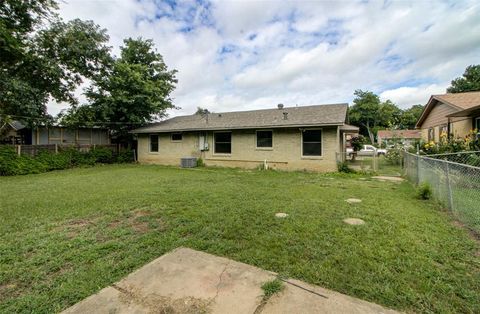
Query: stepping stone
[[387, 178], [354, 221], [281, 215], [353, 200]]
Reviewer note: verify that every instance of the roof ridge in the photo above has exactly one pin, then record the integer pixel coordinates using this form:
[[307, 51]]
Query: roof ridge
[[266, 109]]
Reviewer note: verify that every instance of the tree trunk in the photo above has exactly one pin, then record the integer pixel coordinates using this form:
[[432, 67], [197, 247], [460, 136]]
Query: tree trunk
[[370, 134]]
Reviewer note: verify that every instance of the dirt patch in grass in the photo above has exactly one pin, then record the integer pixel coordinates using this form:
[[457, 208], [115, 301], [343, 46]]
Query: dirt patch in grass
[[474, 235], [141, 221], [75, 226]]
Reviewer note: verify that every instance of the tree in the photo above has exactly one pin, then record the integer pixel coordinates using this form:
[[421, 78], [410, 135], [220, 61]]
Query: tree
[[470, 81], [17, 20], [135, 91], [410, 116], [388, 114], [364, 112], [44, 62], [202, 111]]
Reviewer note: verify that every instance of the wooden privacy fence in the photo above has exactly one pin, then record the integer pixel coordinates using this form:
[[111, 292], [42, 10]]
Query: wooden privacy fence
[[33, 150]]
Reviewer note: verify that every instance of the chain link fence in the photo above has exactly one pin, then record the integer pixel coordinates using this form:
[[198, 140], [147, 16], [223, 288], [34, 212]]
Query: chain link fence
[[454, 181]]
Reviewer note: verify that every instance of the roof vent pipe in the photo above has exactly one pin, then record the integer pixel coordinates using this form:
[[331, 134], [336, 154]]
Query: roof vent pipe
[[280, 106], [285, 116]]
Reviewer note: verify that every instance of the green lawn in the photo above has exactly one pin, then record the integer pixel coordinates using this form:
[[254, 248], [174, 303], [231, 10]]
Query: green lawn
[[65, 235]]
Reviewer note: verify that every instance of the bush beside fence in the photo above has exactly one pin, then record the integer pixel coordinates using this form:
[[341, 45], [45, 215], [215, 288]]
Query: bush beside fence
[[43, 159], [455, 185]]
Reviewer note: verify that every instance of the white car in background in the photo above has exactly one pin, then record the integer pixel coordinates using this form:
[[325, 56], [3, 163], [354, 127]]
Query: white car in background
[[367, 150]]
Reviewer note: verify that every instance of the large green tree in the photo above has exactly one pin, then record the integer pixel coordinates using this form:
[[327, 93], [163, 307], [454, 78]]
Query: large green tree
[[410, 116], [135, 91], [364, 112], [468, 82], [44, 58], [371, 114]]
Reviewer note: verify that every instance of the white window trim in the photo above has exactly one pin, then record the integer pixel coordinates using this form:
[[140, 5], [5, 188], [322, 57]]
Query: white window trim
[[263, 148], [477, 122], [301, 144], [231, 143], [150, 143], [175, 141]]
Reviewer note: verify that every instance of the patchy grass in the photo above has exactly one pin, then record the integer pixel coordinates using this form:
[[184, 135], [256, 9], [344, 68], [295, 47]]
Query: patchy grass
[[271, 287], [66, 234]]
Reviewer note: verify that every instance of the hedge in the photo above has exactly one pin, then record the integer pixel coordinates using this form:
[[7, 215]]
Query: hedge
[[12, 164]]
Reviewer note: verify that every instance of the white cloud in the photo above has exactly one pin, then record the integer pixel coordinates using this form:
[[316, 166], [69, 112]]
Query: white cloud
[[297, 52], [407, 96]]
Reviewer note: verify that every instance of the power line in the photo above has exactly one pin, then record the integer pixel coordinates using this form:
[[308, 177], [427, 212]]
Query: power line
[[88, 122]]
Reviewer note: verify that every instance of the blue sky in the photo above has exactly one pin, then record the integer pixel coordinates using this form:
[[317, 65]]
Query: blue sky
[[239, 55]]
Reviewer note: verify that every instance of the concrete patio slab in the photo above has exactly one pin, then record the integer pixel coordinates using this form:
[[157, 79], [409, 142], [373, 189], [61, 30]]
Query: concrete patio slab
[[189, 281], [300, 297]]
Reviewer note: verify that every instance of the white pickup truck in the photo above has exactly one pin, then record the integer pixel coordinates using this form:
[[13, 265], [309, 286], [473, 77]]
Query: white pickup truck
[[368, 150]]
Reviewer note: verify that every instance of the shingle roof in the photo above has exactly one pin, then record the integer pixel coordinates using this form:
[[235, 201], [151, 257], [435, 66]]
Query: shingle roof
[[318, 115], [459, 101], [16, 125], [399, 134]]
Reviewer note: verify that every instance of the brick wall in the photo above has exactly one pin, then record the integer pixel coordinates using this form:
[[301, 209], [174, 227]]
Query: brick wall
[[285, 154]]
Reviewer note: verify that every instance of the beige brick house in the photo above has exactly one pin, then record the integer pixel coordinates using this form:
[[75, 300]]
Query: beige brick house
[[293, 138], [456, 114]]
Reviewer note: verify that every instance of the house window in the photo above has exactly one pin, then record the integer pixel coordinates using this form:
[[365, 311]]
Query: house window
[[431, 134], [223, 142], [443, 130], [264, 139], [477, 124], [312, 143], [154, 143], [176, 137]]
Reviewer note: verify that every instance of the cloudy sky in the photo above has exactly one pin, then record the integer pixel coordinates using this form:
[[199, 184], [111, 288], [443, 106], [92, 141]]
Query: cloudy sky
[[239, 55]]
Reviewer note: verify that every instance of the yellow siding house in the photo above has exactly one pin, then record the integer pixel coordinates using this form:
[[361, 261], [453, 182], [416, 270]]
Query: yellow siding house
[[295, 138], [456, 114]]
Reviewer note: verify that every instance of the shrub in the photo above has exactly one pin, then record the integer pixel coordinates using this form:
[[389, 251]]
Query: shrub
[[343, 167], [424, 191], [200, 162], [357, 142], [52, 161], [124, 156], [394, 155], [103, 155], [12, 164]]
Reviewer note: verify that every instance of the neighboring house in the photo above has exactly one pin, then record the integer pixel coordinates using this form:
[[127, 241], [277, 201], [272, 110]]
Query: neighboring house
[[390, 137], [19, 134], [13, 132], [286, 138], [72, 136], [456, 114]]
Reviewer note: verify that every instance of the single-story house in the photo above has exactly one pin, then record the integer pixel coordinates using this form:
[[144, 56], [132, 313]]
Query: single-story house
[[292, 138], [456, 114], [390, 137], [73, 136], [17, 133]]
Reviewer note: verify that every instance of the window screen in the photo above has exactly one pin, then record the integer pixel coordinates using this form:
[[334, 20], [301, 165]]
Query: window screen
[[223, 142], [431, 134], [154, 143], [312, 143], [264, 139], [176, 136]]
